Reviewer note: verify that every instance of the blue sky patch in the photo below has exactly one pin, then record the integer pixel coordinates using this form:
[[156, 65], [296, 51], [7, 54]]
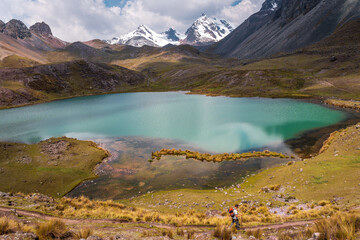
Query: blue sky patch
[[236, 3], [115, 3]]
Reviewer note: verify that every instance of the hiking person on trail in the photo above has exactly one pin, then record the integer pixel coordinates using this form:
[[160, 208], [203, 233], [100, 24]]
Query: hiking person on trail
[[234, 216]]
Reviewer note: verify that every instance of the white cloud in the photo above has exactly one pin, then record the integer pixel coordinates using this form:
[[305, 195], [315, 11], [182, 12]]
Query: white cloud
[[89, 19], [239, 13]]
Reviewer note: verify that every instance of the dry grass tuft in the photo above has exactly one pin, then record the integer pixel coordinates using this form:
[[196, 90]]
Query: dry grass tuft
[[27, 229], [222, 232], [190, 234], [339, 226], [8, 225], [180, 232], [167, 232], [214, 158], [257, 233], [52, 229], [290, 235], [83, 233]]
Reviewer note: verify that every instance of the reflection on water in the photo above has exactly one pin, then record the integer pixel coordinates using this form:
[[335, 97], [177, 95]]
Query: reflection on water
[[129, 173], [217, 124]]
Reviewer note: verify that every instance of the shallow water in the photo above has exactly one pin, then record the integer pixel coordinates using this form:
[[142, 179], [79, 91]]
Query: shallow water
[[129, 173]]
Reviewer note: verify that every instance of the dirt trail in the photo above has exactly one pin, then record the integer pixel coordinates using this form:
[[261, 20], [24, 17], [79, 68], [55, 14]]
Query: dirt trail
[[27, 213]]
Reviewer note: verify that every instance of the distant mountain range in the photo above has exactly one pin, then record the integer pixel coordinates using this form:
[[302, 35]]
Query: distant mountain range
[[280, 26], [143, 35], [203, 31], [38, 36]]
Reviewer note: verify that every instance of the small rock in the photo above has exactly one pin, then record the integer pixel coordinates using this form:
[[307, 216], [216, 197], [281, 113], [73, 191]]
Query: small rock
[[316, 235], [2, 194]]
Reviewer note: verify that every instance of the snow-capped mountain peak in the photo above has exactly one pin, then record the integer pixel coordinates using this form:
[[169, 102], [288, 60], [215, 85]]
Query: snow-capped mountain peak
[[143, 35], [203, 31], [207, 30]]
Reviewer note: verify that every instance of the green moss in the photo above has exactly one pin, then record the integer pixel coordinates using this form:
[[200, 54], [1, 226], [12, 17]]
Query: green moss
[[35, 168]]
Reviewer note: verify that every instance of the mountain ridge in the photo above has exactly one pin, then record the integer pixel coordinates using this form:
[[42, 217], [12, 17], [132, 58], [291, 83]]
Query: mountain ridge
[[17, 39], [203, 31], [293, 25]]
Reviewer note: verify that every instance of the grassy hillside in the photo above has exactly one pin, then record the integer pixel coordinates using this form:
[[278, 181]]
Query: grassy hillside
[[52, 167], [15, 61], [320, 187], [57, 81]]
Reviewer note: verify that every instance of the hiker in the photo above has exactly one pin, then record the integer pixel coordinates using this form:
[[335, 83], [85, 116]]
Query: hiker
[[234, 216]]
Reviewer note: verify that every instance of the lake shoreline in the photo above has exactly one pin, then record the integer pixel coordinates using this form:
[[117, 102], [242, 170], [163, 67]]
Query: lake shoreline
[[309, 143], [312, 99], [298, 121], [300, 144]]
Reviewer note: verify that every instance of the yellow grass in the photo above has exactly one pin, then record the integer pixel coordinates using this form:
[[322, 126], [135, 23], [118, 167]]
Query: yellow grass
[[214, 158], [53, 229], [7, 225]]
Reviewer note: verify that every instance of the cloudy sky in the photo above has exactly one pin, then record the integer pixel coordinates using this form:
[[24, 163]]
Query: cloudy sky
[[73, 20]]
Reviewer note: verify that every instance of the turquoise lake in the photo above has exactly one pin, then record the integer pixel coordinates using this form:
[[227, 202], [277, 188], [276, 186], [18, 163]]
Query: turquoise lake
[[214, 124]]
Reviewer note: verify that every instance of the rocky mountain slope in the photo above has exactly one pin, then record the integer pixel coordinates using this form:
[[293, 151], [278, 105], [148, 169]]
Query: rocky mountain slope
[[16, 39], [289, 26], [39, 36], [172, 35], [206, 30]]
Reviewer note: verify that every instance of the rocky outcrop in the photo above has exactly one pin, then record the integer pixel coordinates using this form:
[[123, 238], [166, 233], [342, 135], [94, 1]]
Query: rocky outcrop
[[10, 97], [43, 38], [172, 34], [294, 24], [41, 29], [290, 9], [16, 29], [2, 26]]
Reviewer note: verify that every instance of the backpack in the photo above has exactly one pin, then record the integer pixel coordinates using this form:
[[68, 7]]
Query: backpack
[[231, 212]]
